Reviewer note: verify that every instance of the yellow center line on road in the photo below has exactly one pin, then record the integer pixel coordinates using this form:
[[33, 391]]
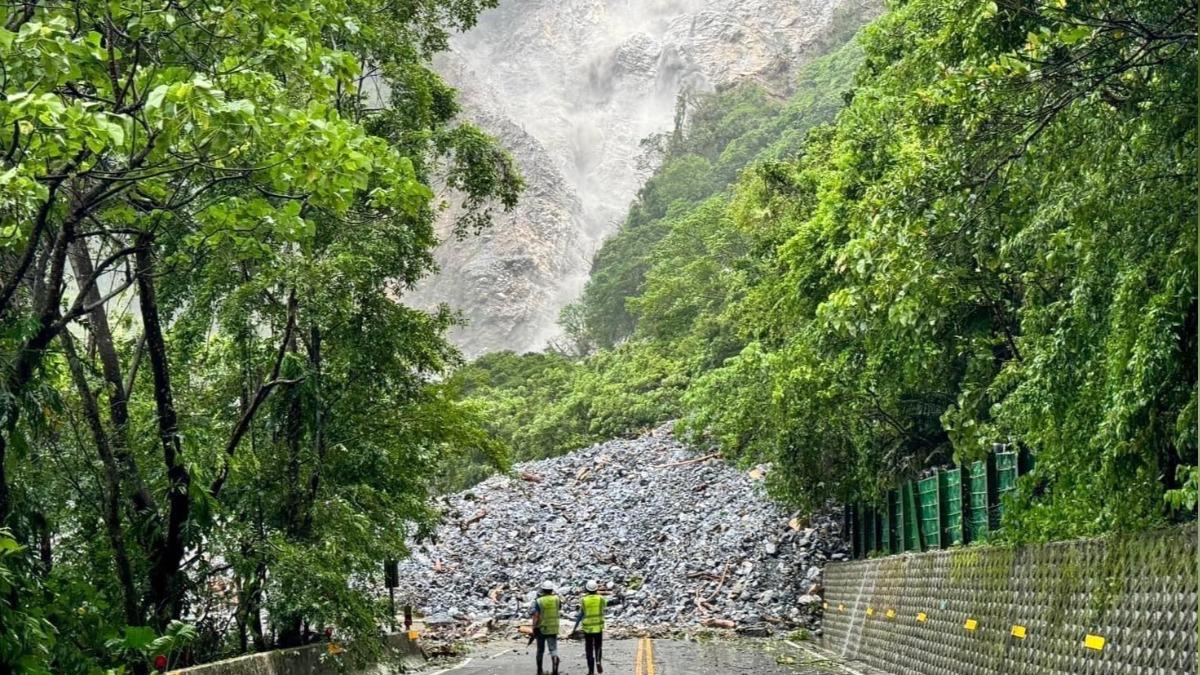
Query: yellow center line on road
[[643, 657]]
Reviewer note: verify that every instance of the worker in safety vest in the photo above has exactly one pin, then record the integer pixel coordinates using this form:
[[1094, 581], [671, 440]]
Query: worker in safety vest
[[591, 617], [545, 625]]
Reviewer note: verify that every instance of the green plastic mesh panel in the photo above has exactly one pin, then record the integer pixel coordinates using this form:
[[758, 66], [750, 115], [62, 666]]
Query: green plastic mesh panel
[[979, 506], [860, 540], [869, 530], [897, 512], [885, 528], [931, 512], [952, 504], [912, 521], [1006, 477]]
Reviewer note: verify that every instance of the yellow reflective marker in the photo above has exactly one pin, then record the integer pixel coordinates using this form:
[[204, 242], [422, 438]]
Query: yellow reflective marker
[[921, 617], [1018, 631], [826, 605], [870, 611], [891, 614], [971, 624], [841, 608], [1094, 642], [413, 635]]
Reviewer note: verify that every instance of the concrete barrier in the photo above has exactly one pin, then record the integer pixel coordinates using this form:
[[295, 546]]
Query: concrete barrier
[[1119, 606], [400, 655]]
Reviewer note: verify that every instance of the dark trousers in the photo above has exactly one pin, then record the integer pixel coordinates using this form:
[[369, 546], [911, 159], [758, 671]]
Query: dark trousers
[[544, 641], [593, 647]]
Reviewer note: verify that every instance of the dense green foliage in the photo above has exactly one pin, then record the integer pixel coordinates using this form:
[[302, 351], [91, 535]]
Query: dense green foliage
[[994, 241], [544, 404], [215, 420], [719, 136]]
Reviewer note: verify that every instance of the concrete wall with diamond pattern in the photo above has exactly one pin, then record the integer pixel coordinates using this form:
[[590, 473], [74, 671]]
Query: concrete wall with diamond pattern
[[1120, 606]]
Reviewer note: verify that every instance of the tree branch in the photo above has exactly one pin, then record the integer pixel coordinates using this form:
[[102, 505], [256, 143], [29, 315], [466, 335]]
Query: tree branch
[[243, 423]]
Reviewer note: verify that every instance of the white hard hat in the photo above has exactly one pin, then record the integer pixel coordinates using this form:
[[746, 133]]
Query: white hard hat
[[548, 585], [591, 586]]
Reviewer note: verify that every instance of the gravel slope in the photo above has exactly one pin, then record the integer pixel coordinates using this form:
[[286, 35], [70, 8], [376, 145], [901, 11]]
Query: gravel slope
[[680, 543]]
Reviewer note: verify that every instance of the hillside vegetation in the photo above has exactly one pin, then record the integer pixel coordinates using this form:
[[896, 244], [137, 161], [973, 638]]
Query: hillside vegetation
[[993, 240], [216, 422]]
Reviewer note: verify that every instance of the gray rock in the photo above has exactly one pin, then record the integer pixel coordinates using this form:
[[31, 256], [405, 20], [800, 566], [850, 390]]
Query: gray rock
[[758, 631], [657, 546]]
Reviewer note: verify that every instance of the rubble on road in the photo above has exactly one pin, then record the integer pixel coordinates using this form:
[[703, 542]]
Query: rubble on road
[[682, 542]]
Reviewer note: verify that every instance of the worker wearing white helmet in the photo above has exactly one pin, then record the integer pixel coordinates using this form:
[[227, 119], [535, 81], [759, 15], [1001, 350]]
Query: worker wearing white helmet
[[591, 616], [545, 625]]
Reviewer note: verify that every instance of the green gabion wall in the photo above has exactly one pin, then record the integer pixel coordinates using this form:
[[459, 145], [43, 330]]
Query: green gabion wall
[[1125, 606]]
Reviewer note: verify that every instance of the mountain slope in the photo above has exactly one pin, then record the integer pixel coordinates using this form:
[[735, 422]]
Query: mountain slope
[[573, 88]]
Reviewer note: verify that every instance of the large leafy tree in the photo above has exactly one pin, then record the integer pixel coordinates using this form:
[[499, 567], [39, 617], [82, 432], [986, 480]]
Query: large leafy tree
[[1000, 246], [207, 215]]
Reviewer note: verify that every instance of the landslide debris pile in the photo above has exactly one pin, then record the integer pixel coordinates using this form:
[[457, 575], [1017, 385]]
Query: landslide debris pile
[[681, 541]]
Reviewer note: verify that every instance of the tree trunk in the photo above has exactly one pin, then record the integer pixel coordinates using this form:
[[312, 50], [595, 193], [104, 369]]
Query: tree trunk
[[118, 395], [112, 488], [165, 584], [293, 429], [46, 300], [314, 481]]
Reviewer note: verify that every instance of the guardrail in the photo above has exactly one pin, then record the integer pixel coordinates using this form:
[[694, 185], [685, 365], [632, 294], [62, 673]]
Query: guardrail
[[400, 652]]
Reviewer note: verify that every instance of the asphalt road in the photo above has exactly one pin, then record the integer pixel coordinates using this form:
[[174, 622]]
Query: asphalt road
[[659, 657]]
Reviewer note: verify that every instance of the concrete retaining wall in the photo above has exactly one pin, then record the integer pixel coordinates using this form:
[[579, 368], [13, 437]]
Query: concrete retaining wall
[[1114, 606], [402, 655]]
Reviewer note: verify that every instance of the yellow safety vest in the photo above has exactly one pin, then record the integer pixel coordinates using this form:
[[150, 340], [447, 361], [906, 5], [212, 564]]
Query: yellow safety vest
[[593, 613], [548, 609]]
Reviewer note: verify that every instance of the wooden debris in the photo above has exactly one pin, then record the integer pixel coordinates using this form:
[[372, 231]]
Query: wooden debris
[[697, 460], [721, 583], [479, 515], [530, 477], [719, 623]]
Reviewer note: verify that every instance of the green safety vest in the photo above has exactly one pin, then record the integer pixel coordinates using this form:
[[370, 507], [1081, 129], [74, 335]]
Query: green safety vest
[[593, 613], [548, 608]]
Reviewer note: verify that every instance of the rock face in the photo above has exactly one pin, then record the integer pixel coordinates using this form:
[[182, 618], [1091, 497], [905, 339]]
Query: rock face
[[572, 87], [681, 542]]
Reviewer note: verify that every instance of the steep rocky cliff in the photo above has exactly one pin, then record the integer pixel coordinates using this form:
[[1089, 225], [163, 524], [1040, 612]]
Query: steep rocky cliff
[[572, 87]]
